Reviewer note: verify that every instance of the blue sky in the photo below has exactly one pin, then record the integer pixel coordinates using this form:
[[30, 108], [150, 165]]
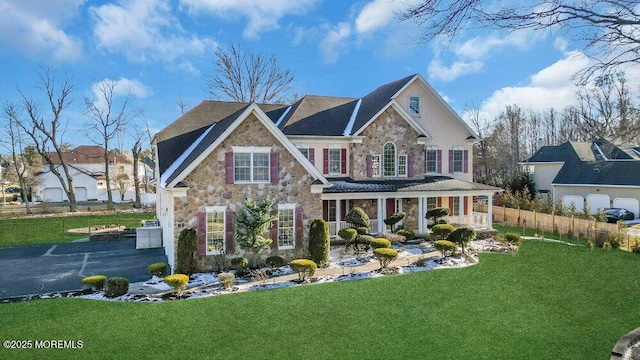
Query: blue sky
[[162, 50]]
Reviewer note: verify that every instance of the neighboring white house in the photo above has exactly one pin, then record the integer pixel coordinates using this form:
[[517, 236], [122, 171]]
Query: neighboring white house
[[599, 174], [87, 167]]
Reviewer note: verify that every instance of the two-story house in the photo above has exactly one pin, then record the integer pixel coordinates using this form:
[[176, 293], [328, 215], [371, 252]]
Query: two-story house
[[399, 148], [86, 164], [598, 173]]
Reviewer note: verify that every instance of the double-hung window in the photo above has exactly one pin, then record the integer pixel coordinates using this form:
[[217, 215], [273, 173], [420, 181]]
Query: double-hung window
[[305, 152], [458, 158], [251, 166], [215, 230], [402, 165], [375, 165], [455, 207], [335, 161], [432, 161], [389, 159], [286, 226]]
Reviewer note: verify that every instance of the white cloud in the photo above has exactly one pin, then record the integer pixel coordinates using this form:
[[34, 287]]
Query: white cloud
[[122, 87], [145, 30], [262, 15], [378, 14], [36, 28], [438, 71], [333, 41]]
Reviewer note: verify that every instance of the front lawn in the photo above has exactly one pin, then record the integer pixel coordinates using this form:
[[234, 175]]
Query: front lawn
[[548, 301], [42, 230]]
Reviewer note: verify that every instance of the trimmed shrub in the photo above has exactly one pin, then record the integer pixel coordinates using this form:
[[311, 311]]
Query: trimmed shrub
[[304, 267], [408, 234], [226, 280], [116, 286], [239, 263], [441, 231], [187, 247], [394, 238], [358, 218], [394, 219], [385, 256], [445, 247], [513, 238], [158, 269], [348, 235], [379, 243], [319, 242], [274, 261], [462, 236], [178, 282], [362, 242], [421, 262], [436, 213], [96, 282], [362, 230]]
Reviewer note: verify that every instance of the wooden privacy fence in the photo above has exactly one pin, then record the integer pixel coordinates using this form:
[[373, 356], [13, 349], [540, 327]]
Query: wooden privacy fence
[[548, 222]]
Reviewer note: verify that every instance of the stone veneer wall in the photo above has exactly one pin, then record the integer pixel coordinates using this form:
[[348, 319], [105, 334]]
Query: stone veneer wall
[[389, 126], [207, 187]]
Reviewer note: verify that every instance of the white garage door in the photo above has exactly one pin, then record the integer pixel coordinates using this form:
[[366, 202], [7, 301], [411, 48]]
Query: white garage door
[[52, 194], [598, 201], [578, 201], [81, 194], [630, 204]]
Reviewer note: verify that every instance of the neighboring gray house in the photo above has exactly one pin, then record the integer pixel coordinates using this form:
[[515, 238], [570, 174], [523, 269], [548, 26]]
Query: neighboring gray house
[[598, 173]]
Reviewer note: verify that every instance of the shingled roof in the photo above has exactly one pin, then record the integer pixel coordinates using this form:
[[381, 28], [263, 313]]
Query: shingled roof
[[428, 183], [87, 154]]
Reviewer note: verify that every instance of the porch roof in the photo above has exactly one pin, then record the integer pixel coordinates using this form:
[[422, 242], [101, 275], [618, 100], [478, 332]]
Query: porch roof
[[428, 183]]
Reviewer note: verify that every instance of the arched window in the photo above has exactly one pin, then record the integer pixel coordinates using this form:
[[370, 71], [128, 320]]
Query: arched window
[[389, 159]]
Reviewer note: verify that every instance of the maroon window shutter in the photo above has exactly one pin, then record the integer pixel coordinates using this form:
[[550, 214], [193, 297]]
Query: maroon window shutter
[[325, 161], [229, 242], [439, 162], [451, 161], [466, 205], [450, 205], [466, 161], [369, 165], [312, 156], [343, 160], [273, 174], [439, 202], [202, 232], [273, 231], [410, 165], [228, 167], [299, 227]]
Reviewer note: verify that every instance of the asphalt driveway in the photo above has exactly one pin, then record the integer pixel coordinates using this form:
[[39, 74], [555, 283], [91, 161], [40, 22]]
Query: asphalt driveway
[[36, 269]]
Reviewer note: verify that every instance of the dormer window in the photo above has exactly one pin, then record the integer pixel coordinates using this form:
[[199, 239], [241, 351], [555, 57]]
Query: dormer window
[[414, 105]]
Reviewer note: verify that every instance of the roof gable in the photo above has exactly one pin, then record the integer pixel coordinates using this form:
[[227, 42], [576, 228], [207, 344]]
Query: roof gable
[[87, 154], [213, 135]]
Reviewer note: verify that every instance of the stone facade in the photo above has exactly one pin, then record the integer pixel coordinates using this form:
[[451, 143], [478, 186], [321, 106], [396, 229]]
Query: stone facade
[[389, 126], [207, 187]]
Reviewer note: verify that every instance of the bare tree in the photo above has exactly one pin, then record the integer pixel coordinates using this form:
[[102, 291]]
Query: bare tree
[[607, 27], [482, 159], [108, 118], [47, 134], [25, 162], [245, 76]]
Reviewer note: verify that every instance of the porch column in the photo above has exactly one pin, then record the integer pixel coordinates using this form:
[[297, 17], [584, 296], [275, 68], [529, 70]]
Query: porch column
[[490, 212], [420, 217], [461, 210], [382, 203], [338, 215]]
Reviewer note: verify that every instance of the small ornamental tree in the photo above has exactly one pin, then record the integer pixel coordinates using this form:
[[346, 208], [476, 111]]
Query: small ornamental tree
[[394, 219], [187, 246], [251, 222], [358, 218], [462, 236], [437, 213], [304, 268], [441, 231], [385, 256], [348, 235], [319, 242], [178, 282], [445, 247]]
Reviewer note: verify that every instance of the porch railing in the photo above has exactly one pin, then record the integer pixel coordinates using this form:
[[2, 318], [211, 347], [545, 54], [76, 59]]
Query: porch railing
[[333, 229]]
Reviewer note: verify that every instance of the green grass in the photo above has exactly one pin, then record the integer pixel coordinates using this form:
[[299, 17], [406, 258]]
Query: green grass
[[535, 232], [548, 301], [42, 230]]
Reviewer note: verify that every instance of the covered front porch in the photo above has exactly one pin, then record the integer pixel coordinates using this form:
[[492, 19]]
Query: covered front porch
[[414, 198]]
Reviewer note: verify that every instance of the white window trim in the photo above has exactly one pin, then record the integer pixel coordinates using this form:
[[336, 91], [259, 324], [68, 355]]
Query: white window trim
[[395, 160], [251, 167], [339, 149], [293, 232], [453, 170], [409, 110], [406, 165], [251, 149], [426, 160], [300, 148], [223, 210], [373, 167]]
